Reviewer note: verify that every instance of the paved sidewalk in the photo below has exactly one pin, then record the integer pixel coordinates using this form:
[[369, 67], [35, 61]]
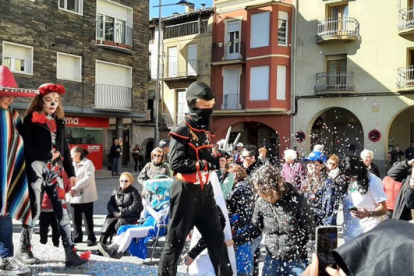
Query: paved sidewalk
[[105, 173]]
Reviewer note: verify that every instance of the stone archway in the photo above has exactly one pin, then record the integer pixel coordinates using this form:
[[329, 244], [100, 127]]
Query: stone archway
[[339, 130]]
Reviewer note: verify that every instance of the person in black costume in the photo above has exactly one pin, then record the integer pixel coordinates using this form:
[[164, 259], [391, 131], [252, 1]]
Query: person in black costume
[[191, 197]]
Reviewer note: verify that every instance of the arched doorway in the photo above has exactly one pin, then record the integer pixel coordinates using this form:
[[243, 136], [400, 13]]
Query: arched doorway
[[339, 130], [260, 135], [401, 131]]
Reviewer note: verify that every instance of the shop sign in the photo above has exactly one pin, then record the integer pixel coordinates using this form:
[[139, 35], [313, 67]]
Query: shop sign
[[72, 121]]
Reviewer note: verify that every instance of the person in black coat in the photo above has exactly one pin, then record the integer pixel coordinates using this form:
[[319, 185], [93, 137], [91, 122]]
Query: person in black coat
[[124, 207], [283, 214], [403, 172], [192, 197], [47, 154], [115, 153]]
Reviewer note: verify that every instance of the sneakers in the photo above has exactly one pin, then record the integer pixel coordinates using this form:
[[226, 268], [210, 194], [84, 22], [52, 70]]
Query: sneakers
[[11, 266], [91, 243], [25, 255], [110, 251]]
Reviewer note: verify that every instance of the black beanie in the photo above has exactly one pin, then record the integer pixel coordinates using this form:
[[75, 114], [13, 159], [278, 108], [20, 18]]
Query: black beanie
[[199, 90]]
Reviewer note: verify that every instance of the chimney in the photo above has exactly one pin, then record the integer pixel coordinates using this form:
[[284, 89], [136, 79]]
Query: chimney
[[189, 8], [203, 6]]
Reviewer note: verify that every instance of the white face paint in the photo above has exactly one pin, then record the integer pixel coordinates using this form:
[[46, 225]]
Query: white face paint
[[50, 103]]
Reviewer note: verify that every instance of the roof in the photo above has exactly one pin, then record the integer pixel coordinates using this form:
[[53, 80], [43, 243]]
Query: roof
[[184, 15]]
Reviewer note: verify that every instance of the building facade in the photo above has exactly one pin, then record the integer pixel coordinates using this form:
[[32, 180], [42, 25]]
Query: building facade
[[353, 78], [96, 48], [185, 58], [251, 72]]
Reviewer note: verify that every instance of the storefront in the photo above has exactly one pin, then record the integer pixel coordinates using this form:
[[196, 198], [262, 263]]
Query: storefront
[[88, 132]]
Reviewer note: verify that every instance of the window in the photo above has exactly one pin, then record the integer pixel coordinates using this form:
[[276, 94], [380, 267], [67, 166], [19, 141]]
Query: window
[[19, 58], [182, 106], [172, 62], [114, 24], [75, 6], [259, 83], [233, 40], [69, 67], [260, 30], [283, 29], [336, 77], [231, 88], [281, 83]]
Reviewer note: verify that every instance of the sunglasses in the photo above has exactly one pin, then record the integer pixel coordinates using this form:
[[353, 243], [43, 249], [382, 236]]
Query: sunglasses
[[123, 180], [332, 163], [157, 155]]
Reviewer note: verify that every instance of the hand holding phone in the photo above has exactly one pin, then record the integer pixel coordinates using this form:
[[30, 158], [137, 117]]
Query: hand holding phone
[[326, 241], [355, 209]]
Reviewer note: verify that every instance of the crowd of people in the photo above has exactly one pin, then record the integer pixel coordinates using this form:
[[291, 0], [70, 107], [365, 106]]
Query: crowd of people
[[226, 201]]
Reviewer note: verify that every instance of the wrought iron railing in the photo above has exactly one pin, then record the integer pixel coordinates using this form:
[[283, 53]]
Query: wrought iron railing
[[338, 27], [114, 34], [405, 77], [113, 97], [183, 29], [339, 81], [181, 69], [229, 51], [406, 18], [231, 101]]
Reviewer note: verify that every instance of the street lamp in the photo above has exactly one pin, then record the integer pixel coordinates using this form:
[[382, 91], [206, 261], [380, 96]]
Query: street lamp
[[157, 90]]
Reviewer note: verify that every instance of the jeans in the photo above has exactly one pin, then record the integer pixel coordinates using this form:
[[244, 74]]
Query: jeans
[[115, 162], [276, 267], [6, 237]]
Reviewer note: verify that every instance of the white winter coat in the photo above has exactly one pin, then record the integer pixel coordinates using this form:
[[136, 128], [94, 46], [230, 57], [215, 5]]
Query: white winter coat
[[85, 182]]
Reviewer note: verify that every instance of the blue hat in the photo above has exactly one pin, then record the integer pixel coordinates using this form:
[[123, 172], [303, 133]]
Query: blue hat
[[316, 156]]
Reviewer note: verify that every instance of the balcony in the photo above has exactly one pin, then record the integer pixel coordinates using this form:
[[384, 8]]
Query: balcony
[[185, 69], [405, 78], [171, 119], [113, 97], [228, 53], [406, 21], [114, 36], [183, 29], [337, 29], [231, 102], [339, 81]]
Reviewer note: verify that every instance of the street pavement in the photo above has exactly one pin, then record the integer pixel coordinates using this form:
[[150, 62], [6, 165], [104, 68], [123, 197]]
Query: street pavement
[[52, 258]]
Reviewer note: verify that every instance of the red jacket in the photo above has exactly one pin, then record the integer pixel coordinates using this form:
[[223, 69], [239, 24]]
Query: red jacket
[[392, 189]]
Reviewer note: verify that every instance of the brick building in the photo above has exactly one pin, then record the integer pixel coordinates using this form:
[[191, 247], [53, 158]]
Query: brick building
[[98, 49]]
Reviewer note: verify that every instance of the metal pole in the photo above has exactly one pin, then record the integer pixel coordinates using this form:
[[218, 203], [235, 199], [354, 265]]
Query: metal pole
[[157, 90]]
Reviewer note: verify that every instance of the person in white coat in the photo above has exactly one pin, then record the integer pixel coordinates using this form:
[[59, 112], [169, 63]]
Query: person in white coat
[[83, 195]]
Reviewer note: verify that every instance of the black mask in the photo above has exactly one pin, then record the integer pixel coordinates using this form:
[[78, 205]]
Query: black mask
[[201, 116], [199, 90]]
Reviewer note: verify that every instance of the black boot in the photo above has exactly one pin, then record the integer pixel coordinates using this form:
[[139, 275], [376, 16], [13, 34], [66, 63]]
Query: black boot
[[24, 253], [110, 251], [71, 258]]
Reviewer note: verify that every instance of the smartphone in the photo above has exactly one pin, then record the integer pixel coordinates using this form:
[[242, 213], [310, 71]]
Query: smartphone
[[353, 209], [326, 241]]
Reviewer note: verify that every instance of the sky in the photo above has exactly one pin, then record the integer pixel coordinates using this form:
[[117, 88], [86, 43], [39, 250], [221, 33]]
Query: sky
[[166, 11]]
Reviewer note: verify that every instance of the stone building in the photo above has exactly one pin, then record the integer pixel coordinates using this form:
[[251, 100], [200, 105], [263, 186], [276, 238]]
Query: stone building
[[98, 49]]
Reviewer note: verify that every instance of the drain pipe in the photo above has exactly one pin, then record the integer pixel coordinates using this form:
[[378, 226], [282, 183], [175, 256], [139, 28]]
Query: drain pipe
[[293, 104]]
